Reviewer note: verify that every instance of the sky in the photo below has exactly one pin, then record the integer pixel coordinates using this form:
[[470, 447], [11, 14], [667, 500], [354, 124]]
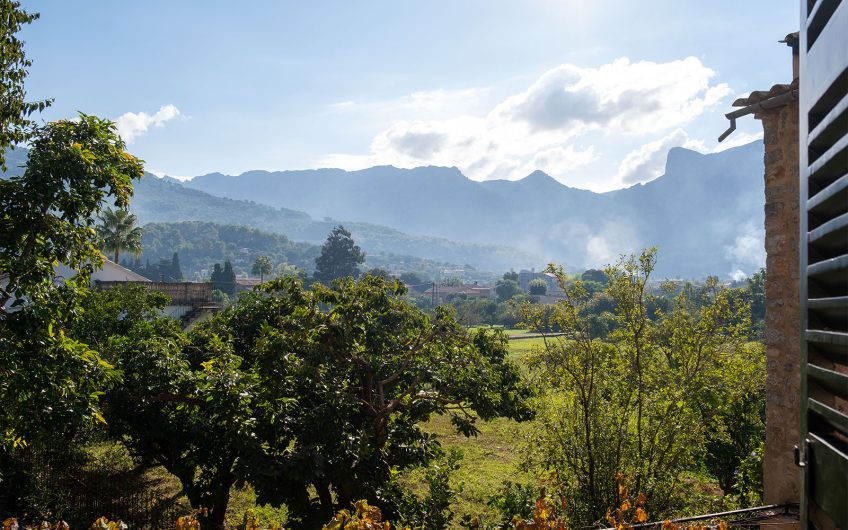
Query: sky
[[593, 92]]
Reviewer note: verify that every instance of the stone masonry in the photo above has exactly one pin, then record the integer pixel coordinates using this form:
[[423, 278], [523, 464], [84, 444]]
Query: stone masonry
[[781, 477]]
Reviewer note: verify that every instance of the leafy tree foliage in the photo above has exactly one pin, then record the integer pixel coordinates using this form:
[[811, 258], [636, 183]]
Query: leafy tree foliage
[[48, 217], [594, 275], [118, 231], [166, 270], [287, 269], [537, 286], [340, 257], [756, 293], [302, 391], [262, 266], [413, 280], [202, 244], [377, 271], [16, 127], [618, 396], [224, 279], [506, 289]]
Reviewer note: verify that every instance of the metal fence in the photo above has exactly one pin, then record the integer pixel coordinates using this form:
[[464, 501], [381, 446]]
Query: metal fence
[[57, 483]]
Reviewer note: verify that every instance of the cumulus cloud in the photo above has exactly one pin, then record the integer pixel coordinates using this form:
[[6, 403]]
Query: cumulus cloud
[[648, 161], [131, 125], [541, 127], [628, 97]]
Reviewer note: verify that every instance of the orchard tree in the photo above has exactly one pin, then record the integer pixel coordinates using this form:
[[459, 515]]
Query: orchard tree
[[340, 257], [262, 266], [305, 393]]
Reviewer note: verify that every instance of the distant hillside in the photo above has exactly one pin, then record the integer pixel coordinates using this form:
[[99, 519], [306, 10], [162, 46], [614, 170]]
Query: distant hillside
[[163, 200], [201, 244], [705, 213]]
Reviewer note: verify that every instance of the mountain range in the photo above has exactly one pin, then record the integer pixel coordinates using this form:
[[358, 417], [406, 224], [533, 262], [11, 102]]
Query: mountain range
[[705, 213]]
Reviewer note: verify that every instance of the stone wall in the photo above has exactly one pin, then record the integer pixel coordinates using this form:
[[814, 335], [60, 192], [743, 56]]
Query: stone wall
[[782, 334]]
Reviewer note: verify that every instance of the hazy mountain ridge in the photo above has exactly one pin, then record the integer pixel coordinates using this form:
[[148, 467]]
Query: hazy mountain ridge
[[160, 200], [166, 200], [705, 213]]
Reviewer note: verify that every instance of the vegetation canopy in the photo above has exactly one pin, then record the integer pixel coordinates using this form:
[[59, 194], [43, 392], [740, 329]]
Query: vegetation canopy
[[302, 391]]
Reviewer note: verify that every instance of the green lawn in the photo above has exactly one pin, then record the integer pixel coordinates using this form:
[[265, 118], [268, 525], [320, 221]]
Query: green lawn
[[494, 456]]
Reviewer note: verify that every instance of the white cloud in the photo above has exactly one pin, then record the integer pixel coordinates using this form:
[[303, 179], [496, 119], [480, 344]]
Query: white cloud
[[626, 97], [541, 127], [131, 124], [648, 161]]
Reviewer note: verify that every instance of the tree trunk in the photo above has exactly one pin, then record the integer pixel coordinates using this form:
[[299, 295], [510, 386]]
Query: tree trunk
[[217, 509], [117, 255]]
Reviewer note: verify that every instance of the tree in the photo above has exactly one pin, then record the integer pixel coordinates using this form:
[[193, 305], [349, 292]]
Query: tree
[[48, 216], [413, 280], [224, 278], [118, 231], [16, 127], [340, 257], [305, 393], [506, 289], [594, 275], [287, 269], [228, 279], [262, 266], [176, 270], [537, 286], [377, 271], [642, 397], [216, 278]]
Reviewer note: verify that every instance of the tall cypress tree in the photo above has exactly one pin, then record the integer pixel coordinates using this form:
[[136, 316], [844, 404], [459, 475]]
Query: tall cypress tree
[[176, 270], [228, 279], [217, 276]]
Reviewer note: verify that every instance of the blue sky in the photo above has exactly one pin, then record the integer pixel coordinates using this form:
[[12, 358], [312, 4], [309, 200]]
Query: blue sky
[[592, 92]]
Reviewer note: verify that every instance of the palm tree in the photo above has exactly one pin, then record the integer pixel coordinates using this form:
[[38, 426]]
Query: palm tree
[[118, 231], [262, 266]]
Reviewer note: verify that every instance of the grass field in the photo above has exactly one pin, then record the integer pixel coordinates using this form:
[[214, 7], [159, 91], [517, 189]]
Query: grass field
[[494, 456]]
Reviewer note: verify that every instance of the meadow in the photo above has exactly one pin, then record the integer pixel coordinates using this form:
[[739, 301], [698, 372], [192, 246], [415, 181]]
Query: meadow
[[494, 456]]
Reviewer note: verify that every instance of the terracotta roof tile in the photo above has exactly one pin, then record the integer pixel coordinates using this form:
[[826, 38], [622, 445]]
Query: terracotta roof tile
[[761, 95]]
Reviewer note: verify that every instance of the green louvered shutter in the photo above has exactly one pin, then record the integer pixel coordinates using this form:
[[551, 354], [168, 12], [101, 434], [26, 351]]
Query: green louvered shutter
[[824, 261]]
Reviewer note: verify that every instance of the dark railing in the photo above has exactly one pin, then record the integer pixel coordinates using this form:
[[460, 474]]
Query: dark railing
[[733, 518]]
